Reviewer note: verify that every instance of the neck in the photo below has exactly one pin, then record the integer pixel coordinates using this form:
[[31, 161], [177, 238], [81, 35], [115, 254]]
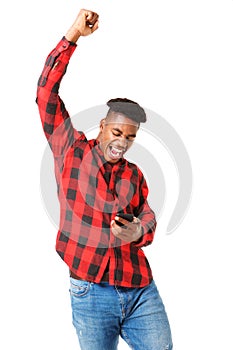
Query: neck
[[98, 136]]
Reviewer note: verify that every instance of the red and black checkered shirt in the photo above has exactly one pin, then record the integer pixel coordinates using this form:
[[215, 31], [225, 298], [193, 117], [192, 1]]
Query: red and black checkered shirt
[[92, 191]]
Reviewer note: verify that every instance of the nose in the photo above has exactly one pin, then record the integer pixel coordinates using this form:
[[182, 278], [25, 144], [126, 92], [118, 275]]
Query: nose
[[123, 142]]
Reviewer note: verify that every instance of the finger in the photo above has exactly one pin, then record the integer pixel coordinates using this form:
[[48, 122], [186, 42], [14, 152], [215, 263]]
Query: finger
[[94, 18], [95, 26], [113, 224], [121, 236], [91, 17], [119, 232], [116, 233], [122, 231], [136, 220], [115, 227]]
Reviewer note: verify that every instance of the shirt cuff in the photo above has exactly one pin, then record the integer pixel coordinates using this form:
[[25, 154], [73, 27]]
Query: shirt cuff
[[141, 241], [64, 44]]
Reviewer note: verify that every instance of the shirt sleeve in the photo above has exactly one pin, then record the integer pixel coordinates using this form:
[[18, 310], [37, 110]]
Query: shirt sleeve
[[55, 119], [147, 217]]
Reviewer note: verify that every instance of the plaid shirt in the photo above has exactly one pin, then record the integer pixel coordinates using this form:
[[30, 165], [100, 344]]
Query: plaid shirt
[[92, 191]]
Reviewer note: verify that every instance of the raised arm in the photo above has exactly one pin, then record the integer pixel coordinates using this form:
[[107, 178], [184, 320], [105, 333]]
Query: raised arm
[[55, 119]]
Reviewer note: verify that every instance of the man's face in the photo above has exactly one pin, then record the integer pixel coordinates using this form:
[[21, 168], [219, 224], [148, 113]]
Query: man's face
[[117, 133]]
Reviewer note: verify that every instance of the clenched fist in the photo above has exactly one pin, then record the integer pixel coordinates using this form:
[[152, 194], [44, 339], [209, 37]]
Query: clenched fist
[[85, 24]]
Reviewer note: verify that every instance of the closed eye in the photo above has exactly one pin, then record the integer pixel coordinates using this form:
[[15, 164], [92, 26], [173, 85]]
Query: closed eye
[[131, 138], [117, 133]]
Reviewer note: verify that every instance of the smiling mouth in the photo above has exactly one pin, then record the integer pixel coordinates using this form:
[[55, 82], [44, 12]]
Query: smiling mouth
[[115, 152]]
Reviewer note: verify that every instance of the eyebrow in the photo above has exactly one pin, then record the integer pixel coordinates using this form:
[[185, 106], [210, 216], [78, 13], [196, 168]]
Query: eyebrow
[[118, 130]]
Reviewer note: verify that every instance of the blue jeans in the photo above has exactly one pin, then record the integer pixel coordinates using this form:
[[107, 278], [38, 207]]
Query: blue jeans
[[102, 312]]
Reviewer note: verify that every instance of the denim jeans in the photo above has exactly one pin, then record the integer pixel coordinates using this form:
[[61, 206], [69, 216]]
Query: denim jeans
[[101, 313]]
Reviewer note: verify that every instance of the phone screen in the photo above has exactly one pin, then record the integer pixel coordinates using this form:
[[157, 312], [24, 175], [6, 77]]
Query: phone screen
[[128, 217]]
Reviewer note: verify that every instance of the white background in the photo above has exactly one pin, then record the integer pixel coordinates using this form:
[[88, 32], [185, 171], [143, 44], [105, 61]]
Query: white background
[[173, 57]]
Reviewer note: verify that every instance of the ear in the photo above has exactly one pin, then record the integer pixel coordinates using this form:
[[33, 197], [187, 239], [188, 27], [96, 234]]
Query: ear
[[102, 124]]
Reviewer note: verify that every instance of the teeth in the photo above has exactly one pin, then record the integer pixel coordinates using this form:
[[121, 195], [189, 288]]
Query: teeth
[[116, 150]]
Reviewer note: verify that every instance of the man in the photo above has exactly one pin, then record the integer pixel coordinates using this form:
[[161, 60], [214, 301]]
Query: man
[[112, 288]]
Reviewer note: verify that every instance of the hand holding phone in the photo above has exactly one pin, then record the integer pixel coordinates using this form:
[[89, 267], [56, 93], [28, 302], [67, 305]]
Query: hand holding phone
[[128, 217], [127, 227]]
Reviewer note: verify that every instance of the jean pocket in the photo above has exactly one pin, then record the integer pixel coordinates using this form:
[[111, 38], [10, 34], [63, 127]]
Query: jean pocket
[[79, 288]]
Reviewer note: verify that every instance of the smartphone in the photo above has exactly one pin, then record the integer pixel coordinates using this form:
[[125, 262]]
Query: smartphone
[[128, 217]]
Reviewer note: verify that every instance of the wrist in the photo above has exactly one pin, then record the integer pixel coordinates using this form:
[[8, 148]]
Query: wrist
[[73, 34], [138, 236]]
